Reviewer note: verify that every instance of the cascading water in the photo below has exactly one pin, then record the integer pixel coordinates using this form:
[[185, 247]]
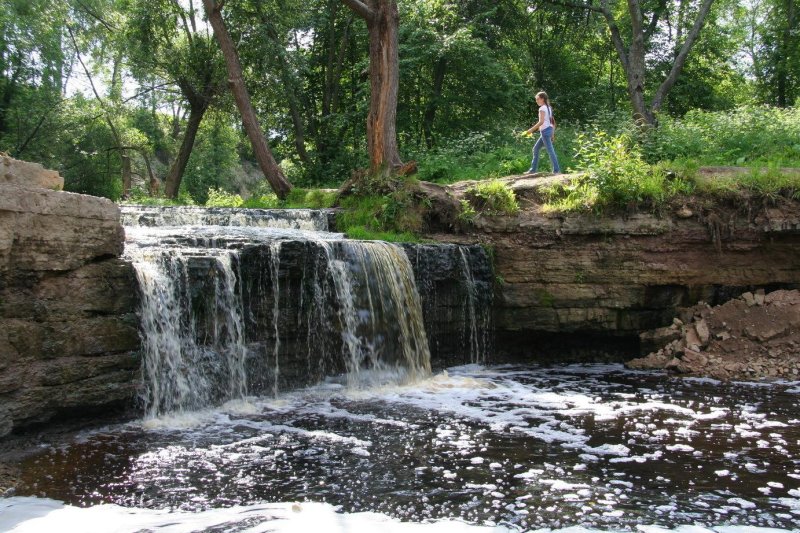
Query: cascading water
[[230, 311]]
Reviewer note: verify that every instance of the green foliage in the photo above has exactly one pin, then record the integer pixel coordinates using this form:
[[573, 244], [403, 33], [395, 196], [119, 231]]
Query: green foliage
[[769, 183], [311, 198], [493, 198], [399, 213], [213, 160], [220, 198], [744, 136], [467, 214], [139, 196], [615, 176], [365, 234]]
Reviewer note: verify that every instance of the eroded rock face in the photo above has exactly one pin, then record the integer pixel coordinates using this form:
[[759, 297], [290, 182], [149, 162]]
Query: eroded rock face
[[68, 330], [594, 279], [754, 336]]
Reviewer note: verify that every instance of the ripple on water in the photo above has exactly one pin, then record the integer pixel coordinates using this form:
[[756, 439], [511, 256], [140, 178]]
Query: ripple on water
[[522, 447]]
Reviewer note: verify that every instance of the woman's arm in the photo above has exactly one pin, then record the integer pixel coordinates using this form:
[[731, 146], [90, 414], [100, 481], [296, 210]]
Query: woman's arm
[[538, 124]]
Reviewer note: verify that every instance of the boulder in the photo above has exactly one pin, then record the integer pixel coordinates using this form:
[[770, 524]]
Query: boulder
[[28, 175]]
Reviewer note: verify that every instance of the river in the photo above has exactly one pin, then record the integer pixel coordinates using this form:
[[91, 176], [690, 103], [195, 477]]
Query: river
[[472, 448]]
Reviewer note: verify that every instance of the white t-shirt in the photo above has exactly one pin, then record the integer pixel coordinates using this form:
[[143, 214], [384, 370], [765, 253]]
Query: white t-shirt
[[548, 114]]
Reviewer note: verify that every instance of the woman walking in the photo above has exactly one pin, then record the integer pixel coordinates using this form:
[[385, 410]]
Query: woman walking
[[547, 128]]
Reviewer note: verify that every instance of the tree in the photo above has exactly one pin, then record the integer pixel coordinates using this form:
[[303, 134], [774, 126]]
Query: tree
[[776, 55], [633, 54], [382, 21], [163, 40], [272, 172]]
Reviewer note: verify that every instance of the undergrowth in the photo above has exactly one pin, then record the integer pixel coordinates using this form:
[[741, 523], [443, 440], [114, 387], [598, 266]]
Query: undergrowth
[[395, 216]]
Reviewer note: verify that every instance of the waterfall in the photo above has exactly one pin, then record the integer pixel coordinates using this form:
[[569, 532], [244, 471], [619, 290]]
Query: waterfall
[[476, 319], [193, 344], [230, 310], [380, 308], [155, 216]]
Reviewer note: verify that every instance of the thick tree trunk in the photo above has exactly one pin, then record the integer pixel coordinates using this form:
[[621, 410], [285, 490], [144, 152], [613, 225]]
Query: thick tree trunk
[[382, 23], [384, 82], [272, 172], [173, 182]]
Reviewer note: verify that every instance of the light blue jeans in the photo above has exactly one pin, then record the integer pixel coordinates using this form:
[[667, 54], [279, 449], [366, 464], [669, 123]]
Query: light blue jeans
[[547, 140]]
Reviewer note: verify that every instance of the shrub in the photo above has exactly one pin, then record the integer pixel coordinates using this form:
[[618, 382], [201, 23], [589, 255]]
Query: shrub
[[220, 198], [310, 198], [616, 176]]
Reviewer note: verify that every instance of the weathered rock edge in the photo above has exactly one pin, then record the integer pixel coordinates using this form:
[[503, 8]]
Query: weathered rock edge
[[598, 281], [68, 330]]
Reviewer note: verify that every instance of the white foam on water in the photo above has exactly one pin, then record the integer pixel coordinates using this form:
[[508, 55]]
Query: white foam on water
[[547, 405], [35, 515]]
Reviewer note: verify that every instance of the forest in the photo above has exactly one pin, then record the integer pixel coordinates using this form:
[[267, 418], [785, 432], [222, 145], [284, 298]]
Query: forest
[[133, 99]]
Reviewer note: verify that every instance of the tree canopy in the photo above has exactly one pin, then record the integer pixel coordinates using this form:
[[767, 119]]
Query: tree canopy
[[112, 90]]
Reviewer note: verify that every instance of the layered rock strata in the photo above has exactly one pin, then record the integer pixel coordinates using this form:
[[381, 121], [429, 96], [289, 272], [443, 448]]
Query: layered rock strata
[[596, 282], [68, 330], [754, 336]]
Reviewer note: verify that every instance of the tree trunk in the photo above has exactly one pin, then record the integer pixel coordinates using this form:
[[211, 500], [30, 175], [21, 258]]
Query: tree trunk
[[272, 172], [439, 70], [382, 21], [126, 176], [637, 66], [173, 182]]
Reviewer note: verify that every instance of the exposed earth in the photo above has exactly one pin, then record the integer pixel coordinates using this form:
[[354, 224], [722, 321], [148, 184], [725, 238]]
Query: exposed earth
[[754, 336]]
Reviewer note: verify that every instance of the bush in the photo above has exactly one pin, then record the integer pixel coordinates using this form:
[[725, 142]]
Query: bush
[[616, 176], [745, 136], [220, 198], [311, 198], [397, 215], [493, 197], [263, 201]]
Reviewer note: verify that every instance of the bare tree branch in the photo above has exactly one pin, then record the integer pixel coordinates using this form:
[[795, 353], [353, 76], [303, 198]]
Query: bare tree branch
[[94, 15], [114, 131], [360, 8]]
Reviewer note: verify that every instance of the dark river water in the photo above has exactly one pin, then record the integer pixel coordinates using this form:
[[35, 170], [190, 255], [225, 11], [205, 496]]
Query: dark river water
[[508, 448]]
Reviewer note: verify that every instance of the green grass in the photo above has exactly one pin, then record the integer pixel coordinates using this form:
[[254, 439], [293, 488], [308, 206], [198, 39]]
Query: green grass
[[364, 234]]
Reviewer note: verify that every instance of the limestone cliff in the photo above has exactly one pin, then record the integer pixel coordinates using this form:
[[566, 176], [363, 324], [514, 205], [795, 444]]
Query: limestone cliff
[[68, 330], [576, 277]]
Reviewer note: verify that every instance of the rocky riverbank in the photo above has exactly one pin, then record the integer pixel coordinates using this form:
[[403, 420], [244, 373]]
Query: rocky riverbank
[[754, 336]]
